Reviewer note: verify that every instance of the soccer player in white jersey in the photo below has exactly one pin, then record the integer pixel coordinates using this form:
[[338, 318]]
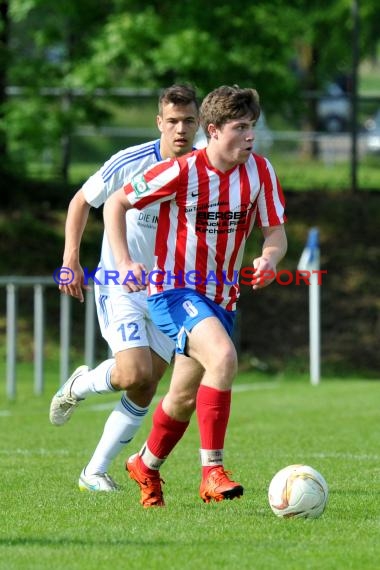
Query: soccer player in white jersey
[[210, 200], [141, 352]]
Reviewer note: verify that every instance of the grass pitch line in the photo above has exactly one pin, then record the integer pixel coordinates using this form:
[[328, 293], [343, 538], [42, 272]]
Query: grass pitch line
[[255, 386], [40, 452], [236, 388], [110, 405]]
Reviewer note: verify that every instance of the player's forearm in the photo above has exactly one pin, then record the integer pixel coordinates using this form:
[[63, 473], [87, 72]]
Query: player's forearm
[[274, 249], [76, 220], [275, 244], [114, 211]]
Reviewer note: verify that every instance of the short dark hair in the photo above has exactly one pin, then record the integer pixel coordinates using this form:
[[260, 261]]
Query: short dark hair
[[228, 103], [178, 95]]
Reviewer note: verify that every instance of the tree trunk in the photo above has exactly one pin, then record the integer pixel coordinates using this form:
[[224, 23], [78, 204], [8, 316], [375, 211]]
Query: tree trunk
[[4, 39], [309, 63]]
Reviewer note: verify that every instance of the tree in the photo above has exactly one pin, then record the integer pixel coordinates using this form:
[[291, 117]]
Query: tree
[[4, 37], [166, 42], [64, 47], [48, 40]]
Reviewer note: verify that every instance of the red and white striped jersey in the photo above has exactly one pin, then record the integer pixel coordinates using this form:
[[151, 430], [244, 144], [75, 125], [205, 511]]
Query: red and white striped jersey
[[205, 219]]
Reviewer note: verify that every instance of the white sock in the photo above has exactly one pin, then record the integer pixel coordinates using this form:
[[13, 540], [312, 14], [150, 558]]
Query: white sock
[[96, 381], [149, 459], [210, 457], [120, 428]]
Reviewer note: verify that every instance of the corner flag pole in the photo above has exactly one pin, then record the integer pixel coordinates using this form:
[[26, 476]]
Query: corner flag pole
[[309, 261]]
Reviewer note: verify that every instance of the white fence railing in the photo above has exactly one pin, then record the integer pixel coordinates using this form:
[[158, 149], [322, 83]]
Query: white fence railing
[[12, 284]]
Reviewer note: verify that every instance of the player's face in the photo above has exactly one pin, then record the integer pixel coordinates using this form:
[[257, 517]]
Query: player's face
[[178, 125], [235, 141]]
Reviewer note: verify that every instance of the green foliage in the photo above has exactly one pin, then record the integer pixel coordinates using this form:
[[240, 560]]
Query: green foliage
[[46, 42], [145, 48], [47, 523], [304, 175], [120, 52], [70, 45]]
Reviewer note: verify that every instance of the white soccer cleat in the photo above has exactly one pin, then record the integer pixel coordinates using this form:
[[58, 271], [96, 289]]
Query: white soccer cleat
[[97, 482], [64, 402]]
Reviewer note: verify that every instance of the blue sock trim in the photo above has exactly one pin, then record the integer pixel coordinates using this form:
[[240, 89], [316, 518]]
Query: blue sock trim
[[131, 408], [108, 378]]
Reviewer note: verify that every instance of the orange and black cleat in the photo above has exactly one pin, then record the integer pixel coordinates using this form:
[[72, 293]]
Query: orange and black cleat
[[150, 486], [218, 486]]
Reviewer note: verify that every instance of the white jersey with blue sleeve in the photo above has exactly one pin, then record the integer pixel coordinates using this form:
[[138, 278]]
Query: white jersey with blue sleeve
[[142, 225]]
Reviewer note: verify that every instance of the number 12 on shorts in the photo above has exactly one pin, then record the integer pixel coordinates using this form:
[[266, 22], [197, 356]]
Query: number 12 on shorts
[[131, 334]]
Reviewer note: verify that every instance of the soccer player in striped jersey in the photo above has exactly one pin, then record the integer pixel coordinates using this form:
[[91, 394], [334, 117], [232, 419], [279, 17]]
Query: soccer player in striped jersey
[[140, 351], [210, 200]]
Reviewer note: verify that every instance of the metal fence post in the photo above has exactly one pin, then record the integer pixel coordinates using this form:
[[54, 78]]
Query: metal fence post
[[11, 340], [89, 333], [38, 339], [65, 338]]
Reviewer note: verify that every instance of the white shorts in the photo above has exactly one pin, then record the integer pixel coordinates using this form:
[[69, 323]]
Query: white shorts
[[125, 323]]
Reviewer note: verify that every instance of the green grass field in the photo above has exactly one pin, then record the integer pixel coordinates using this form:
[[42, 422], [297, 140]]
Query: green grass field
[[47, 523]]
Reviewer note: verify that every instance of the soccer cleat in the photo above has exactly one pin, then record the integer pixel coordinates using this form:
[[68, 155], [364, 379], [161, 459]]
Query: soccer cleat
[[97, 482], [218, 486], [150, 486], [64, 402]]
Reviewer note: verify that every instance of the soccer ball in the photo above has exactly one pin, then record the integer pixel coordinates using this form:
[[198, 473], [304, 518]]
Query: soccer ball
[[298, 491]]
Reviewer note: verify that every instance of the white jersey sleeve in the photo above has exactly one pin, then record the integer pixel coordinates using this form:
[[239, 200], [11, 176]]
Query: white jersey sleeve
[[142, 226], [120, 168]]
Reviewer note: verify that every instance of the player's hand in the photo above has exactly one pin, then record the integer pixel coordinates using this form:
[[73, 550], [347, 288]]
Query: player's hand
[[72, 280], [133, 276], [264, 274]]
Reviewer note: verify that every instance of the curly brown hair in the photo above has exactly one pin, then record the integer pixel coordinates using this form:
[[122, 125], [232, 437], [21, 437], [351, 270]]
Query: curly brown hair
[[227, 103]]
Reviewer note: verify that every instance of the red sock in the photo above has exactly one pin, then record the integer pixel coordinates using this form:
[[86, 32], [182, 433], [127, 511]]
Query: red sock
[[164, 435], [213, 412]]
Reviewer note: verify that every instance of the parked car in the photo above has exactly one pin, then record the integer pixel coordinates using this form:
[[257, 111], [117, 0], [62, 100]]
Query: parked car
[[334, 109], [372, 127]]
